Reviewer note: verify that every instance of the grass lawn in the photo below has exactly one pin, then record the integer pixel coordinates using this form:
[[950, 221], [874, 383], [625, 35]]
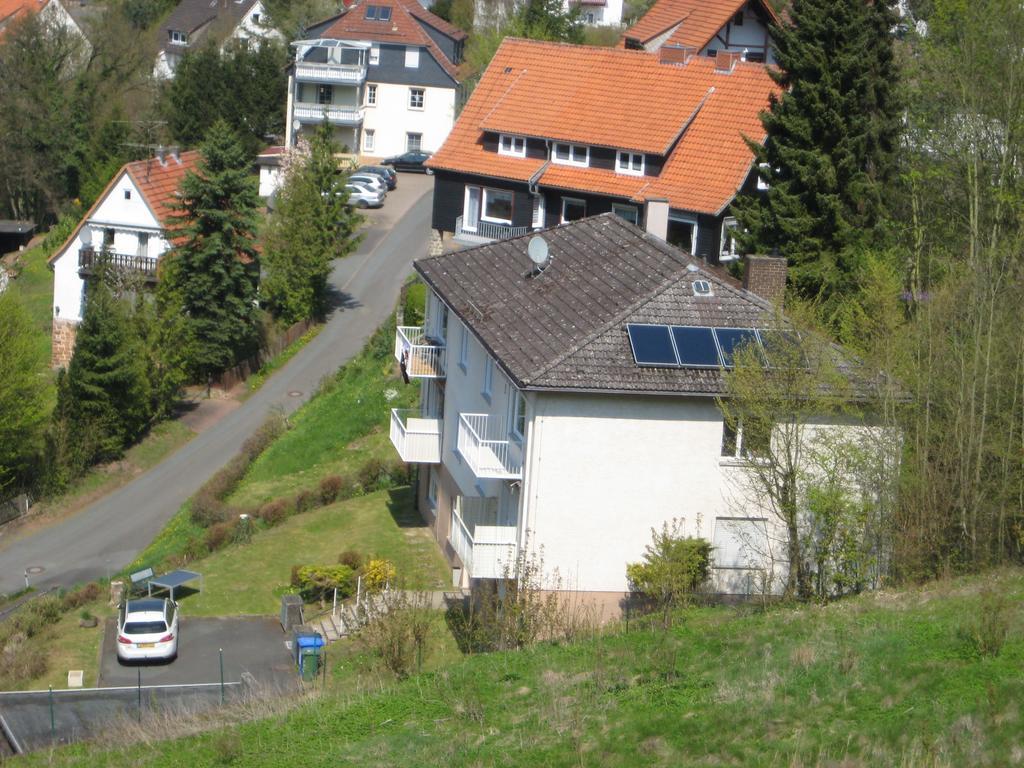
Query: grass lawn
[[249, 578], [163, 440], [34, 288], [882, 679], [69, 646], [338, 430]]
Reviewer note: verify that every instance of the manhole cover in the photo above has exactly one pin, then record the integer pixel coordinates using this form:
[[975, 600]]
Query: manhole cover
[[295, 393], [34, 569]]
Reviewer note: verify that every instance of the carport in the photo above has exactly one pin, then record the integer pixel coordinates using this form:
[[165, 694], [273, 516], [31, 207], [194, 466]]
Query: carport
[[173, 580]]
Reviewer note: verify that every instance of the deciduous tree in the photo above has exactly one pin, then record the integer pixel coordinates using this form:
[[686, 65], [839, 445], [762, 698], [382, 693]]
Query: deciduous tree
[[22, 393]]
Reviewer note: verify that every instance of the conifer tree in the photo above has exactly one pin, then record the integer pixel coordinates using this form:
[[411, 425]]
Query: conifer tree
[[212, 272], [106, 394], [22, 391], [311, 226], [830, 155]]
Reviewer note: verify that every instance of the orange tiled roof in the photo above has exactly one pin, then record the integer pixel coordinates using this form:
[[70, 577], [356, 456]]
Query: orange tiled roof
[[12, 10], [621, 99], [402, 29], [697, 21], [157, 184]]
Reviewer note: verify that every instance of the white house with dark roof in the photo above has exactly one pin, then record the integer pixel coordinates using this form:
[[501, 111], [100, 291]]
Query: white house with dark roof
[[572, 407]]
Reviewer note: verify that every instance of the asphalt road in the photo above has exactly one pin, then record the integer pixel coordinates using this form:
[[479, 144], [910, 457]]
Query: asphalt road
[[106, 536]]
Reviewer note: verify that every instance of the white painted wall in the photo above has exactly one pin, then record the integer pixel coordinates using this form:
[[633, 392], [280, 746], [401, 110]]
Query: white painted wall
[[751, 35], [254, 26], [270, 179], [128, 217], [391, 119]]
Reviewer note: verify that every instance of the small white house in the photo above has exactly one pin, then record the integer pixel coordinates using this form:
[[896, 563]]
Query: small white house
[[557, 414], [269, 163], [195, 21], [124, 231], [52, 12]]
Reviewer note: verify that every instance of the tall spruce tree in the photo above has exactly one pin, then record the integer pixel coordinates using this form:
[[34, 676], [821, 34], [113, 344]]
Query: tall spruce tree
[[105, 395], [311, 226], [212, 274], [830, 156]]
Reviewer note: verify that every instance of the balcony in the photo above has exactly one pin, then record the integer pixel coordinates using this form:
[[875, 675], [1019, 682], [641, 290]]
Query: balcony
[[90, 261], [423, 356], [345, 74], [486, 551], [335, 114], [485, 232], [486, 456], [416, 435]]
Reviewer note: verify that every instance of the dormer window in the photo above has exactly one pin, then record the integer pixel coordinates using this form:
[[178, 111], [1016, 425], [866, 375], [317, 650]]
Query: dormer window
[[630, 163], [378, 12], [178, 38], [371, 12], [511, 145], [384, 14], [570, 154]]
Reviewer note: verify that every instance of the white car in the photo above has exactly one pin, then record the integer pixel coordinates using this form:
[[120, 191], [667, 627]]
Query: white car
[[147, 628], [371, 180], [363, 197]]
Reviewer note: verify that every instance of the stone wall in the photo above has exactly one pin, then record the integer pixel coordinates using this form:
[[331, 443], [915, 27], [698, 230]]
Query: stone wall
[[63, 342]]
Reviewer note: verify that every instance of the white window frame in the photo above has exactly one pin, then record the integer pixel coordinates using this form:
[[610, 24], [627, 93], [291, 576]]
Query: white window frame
[[740, 454], [369, 140], [464, 349], [142, 245], [516, 145], [422, 92], [487, 191], [693, 232], [571, 160], [178, 38], [371, 94], [432, 490], [617, 208], [408, 142], [729, 222], [539, 215], [629, 170], [374, 54], [518, 411], [573, 200], [412, 57], [488, 387]]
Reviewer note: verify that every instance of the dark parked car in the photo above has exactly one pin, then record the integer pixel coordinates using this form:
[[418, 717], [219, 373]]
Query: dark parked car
[[410, 161], [388, 174]]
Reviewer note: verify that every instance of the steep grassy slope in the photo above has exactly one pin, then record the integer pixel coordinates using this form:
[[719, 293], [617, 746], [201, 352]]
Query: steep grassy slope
[[884, 679]]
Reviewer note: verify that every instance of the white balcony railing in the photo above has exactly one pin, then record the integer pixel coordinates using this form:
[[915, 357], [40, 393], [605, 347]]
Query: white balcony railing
[[488, 457], [338, 115], [416, 435], [353, 74], [423, 356], [486, 231], [486, 551]]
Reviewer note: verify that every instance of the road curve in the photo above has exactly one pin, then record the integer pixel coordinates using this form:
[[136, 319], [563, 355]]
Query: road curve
[[109, 534]]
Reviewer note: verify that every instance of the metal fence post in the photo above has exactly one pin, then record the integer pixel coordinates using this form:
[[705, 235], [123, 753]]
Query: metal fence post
[[53, 720], [140, 693], [221, 650]]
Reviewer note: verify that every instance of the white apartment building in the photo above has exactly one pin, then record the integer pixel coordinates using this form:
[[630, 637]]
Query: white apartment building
[[548, 420], [383, 75]]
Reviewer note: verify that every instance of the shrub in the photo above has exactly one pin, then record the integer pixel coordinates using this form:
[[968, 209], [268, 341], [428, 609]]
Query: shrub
[[85, 594], [988, 631], [21, 660], [195, 549], [378, 573], [268, 432], [330, 487], [674, 566], [352, 559], [399, 635], [305, 500], [370, 472], [316, 581], [219, 534], [294, 579], [207, 509], [273, 512]]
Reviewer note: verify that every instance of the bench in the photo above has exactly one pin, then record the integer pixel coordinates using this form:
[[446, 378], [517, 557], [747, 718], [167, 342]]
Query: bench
[[140, 580]]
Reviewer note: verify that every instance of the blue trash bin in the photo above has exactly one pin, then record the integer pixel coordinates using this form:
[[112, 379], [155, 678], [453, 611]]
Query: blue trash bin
[[308, 652]]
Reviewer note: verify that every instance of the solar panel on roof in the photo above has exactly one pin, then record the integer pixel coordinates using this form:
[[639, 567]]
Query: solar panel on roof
[[781, 347], [696, 346], [731, 339], [652, 345]]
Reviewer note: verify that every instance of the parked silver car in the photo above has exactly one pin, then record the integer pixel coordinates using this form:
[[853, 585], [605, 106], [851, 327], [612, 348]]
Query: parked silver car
[[371, 180], [361, 196]]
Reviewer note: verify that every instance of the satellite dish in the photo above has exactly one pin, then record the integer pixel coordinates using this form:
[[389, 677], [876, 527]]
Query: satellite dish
[[538, 250]]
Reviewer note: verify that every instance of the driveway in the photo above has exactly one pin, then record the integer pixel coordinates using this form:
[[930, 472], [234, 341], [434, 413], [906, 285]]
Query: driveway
[[109, 534], [253, 645]]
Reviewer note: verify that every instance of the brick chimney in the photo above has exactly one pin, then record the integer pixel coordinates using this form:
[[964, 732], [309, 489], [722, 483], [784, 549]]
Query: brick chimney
[[676, 54], [725, 61], [766, 276]]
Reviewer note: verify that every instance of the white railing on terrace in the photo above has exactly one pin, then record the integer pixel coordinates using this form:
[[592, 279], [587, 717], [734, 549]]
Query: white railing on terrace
[[330, 73], [424, 357], [487, 457], [486, 551], [416, 435], [307, 113], [486, 231]]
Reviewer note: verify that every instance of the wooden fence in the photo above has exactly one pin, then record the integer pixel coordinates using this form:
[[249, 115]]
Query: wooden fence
[[239, 373], [14, 507]]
